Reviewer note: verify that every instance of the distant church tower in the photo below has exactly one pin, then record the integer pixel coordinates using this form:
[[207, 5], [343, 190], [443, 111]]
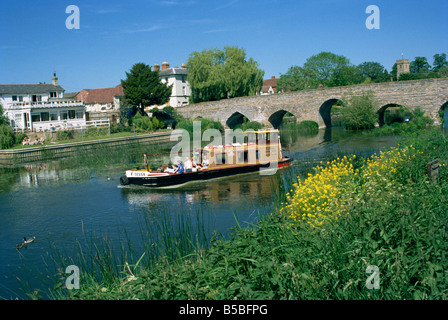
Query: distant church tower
[[402, 67], [55, 80]]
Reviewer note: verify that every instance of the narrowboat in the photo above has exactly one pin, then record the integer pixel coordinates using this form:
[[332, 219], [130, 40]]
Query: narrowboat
[[260, 152]]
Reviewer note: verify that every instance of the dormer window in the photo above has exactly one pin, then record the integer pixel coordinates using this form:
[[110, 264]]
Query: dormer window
[[53, 94]]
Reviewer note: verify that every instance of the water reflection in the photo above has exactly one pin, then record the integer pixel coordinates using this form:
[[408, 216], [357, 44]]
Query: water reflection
[[248, 188]]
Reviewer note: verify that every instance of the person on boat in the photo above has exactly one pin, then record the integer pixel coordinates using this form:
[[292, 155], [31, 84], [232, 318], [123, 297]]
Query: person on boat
[[180, 168], [204, 163], [195, 166], [188, 165], [171, 168]]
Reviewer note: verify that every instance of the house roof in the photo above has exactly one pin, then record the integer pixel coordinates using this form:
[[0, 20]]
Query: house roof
[[70, 95], [271, 82], [29, 88], [171, 71], [103, 95]]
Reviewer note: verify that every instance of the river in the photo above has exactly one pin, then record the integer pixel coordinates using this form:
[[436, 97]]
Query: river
[[59, 205]]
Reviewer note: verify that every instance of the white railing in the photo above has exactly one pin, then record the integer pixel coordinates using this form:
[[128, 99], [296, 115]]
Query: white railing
[[46, 104]]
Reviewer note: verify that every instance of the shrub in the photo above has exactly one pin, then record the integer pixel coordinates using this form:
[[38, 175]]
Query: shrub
[[142, 122], [187, 124], [65, 135], [358, 112], [7, 137], [250, 125]]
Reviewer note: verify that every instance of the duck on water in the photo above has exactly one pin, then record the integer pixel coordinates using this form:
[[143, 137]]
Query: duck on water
[[25, 242]]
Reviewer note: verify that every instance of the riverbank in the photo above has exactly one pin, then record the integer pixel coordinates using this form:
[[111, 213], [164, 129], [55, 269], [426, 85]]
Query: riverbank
[[328, 228], [50, 152]]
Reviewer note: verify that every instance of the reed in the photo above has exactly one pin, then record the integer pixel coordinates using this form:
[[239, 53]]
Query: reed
[[108, 264]]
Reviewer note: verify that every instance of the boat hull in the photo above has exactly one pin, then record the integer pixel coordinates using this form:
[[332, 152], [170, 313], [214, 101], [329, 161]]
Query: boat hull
[[161, 180]]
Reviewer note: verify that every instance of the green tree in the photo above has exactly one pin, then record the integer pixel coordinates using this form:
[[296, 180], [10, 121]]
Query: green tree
[[420, 64], [359, 112], [143, 88], [345, 76], [216, 74], [3, 119], [297, 78], [393, 72], [325, 65], [439, 62], [374, 71]]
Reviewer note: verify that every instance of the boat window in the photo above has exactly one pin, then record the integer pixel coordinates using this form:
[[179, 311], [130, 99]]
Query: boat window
[[242, 156], [220, 158]]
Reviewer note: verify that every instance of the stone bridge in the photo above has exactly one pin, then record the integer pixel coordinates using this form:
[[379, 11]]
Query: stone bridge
[[430, 94]]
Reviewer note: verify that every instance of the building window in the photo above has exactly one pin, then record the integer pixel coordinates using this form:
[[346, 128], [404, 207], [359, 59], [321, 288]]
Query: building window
[[184, 91], [79, 115], [183, 79], [53, 94], [14, 98], [71, 114], [35, 117], [64, 115], [20, 98], [45, 116], [54, 117]]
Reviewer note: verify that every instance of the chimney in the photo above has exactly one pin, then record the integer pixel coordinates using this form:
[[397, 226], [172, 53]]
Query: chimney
[[184, 66], [55, 79], [165, 66], [156, 67]]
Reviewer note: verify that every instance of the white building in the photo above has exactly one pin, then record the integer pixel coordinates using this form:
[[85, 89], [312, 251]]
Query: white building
[[40, 107], [178, 78]]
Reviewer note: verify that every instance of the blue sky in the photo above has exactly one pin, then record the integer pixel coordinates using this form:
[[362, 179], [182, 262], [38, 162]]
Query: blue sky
[[114, 35]]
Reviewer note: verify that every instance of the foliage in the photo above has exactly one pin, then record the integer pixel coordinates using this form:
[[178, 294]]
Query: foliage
[[187, 124], [216, 74], [7, 137], [439, 62], [359, 112], [249, 125], [374, 71], [142, 122], [325, 66], [142, 87], [420, 64], [3, 119], [297, 78], [65, 135]]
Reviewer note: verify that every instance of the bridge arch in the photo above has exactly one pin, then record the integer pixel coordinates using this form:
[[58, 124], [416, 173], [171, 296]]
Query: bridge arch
[[276, 118], [382, 114], [236, 119], [325, 110]]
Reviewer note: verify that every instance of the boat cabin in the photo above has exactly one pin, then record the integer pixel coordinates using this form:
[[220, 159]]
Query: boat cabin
[[259, 147]]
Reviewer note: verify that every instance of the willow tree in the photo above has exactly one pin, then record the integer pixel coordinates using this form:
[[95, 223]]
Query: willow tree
[[215, 74], [142, 87]]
